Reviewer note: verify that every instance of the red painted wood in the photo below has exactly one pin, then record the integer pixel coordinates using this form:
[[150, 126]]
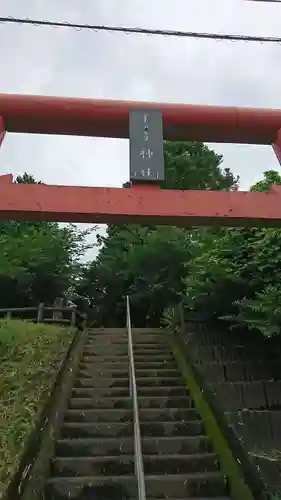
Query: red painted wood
[[144, 204], [141, 205], [107, 118], [277, 146], [6, 179], [2, 130]]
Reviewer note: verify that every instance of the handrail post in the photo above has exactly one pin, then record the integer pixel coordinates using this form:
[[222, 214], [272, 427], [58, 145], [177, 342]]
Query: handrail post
[[73, 317], [40, 313], [133, 391], [58, 315]]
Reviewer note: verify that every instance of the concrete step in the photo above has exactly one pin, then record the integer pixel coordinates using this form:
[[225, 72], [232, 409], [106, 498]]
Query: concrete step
[[108, 331], [126, 402], [103, 347], [156, 365], [147, 344], [107, 337], [124, 464], [135, 331], [154, 340], [120, 429], [97, 374], [151, 350], [93, 466], [83, 447], [100, 392], [159, 382], [161, 391], [150, 339], [169, 375], [100, 353], [102, 403], [119, 487], [92, 358], [149, 331], [108, 365], [112, 337], [99, 415], [89, 369], [167, 414], [73, 430], [106, 350], [105, 342], [102, 382], [180, 464], [126, 415], [140, 372], [175, 428], [150, 358], [168, 402]]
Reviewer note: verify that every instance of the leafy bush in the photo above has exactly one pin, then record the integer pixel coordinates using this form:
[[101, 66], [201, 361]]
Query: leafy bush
[[262, 312], [171, 319]]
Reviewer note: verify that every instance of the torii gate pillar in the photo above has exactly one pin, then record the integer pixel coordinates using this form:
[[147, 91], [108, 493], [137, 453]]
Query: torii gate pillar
[[277, 146], [2, 130]]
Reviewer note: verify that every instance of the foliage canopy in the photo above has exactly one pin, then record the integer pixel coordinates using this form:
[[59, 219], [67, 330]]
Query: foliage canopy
[[38, 260], [228, 273]]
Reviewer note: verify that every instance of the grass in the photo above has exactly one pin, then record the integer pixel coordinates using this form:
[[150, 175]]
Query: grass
[[30, 357]]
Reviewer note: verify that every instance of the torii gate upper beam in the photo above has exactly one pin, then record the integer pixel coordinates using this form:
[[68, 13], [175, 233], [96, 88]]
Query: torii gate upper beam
[[144, 204], [109, 118]]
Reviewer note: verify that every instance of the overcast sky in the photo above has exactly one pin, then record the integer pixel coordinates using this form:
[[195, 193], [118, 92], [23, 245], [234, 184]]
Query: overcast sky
[[117, 66]]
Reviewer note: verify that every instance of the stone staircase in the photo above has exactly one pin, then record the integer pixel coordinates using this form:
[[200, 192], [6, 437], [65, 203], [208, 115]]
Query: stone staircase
[[94, 456]]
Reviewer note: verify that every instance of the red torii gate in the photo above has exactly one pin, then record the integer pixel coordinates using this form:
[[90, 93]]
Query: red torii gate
[[140, 203]]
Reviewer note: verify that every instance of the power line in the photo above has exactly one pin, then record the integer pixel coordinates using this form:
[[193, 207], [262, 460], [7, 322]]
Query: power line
[[265, 1], [141, 31]]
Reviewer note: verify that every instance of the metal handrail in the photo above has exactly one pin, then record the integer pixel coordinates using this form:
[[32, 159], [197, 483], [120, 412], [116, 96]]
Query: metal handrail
[[133, 392]]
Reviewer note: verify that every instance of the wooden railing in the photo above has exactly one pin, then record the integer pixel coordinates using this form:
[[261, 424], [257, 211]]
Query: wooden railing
[[46, 314]]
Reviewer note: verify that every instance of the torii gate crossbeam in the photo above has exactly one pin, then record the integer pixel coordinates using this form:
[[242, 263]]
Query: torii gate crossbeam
[[145, 203]]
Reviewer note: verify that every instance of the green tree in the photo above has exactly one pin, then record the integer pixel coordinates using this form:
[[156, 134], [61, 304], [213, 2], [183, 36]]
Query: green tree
[[269, 177], [150, 263], [192, 165], [38, 259], [229, 273], [237, 276]]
